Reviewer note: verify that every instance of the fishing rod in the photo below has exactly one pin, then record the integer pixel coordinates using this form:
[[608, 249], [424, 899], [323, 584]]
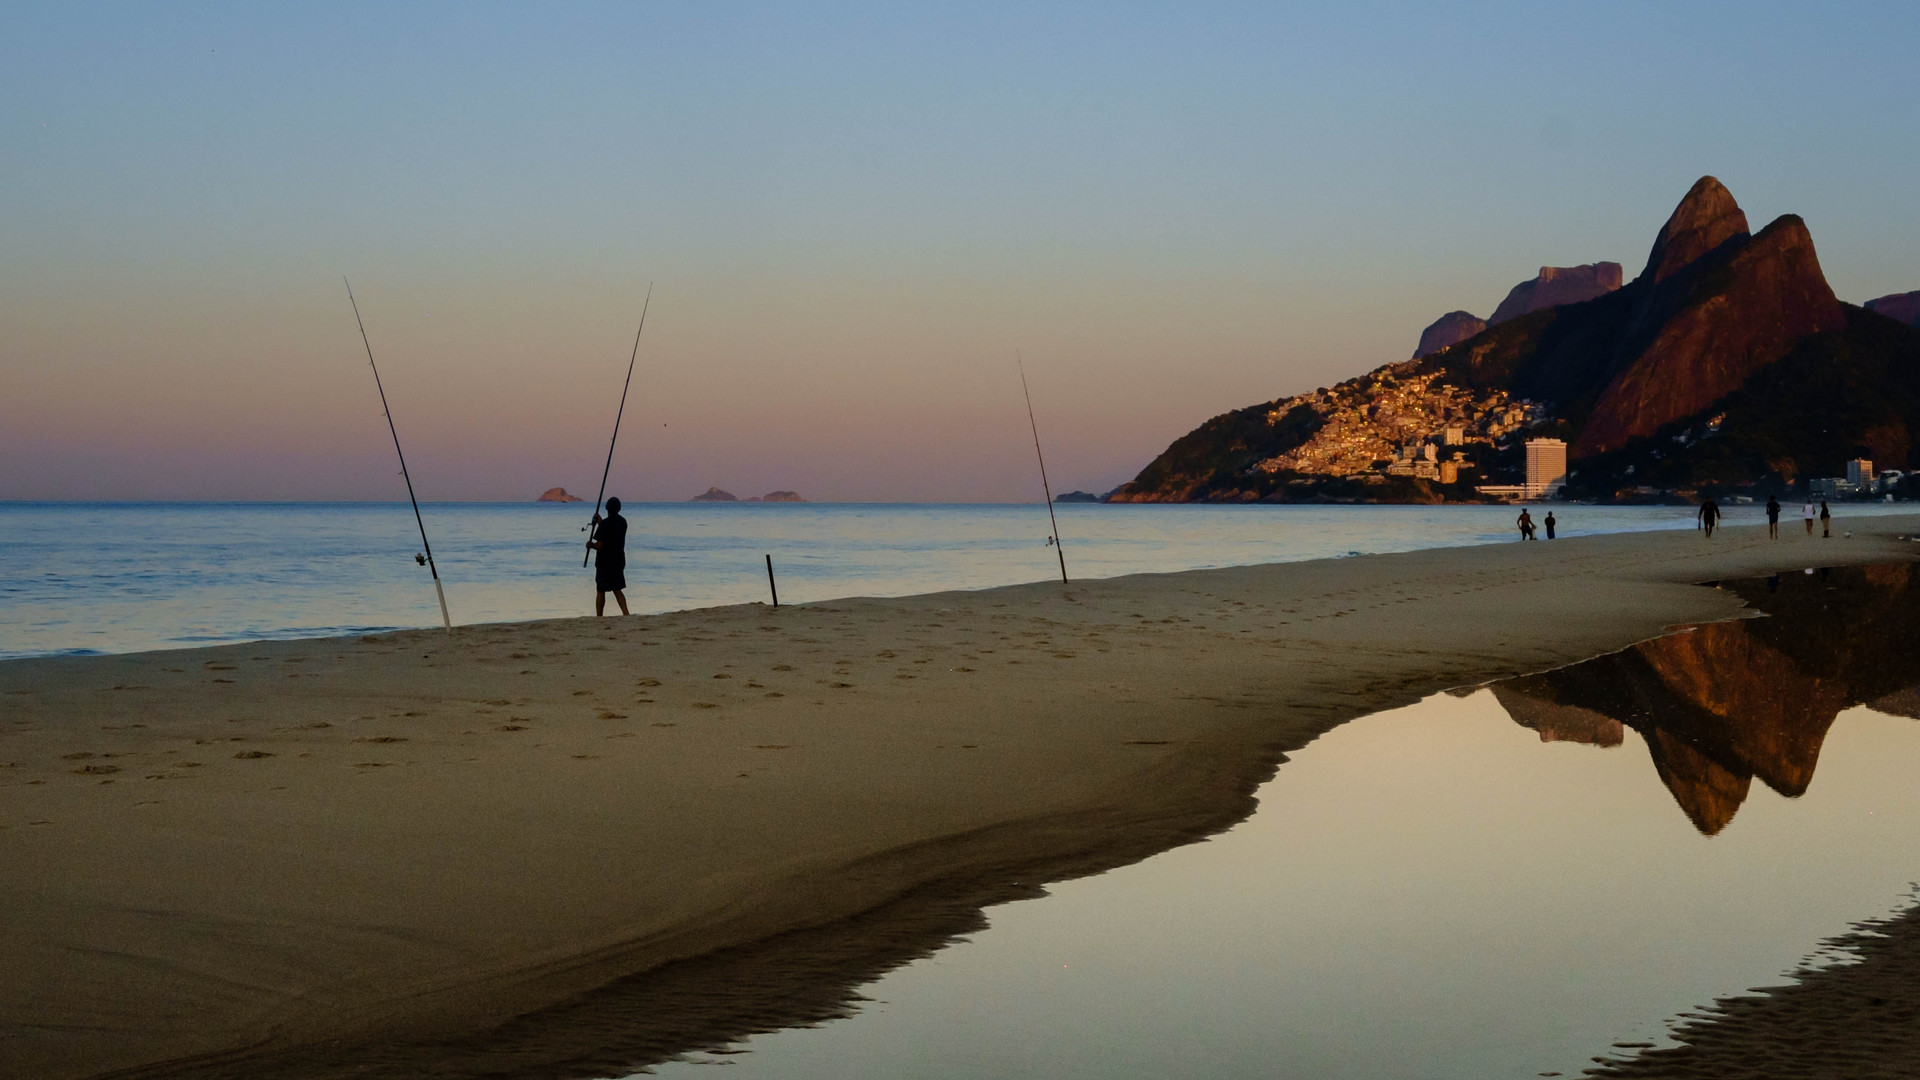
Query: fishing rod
[[1045, 488], [593, 527], [417, 520]]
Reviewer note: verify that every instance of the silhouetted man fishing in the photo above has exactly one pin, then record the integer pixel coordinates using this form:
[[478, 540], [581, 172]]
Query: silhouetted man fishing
[[610, 565]]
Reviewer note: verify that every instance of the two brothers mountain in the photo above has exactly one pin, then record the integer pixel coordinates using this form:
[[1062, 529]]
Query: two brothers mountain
[[1728, 364]]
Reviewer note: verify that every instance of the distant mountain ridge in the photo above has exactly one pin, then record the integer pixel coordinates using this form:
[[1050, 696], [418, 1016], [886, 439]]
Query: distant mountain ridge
[[1557, 285], [1727, 363], [1903, 307], [1553, 286]]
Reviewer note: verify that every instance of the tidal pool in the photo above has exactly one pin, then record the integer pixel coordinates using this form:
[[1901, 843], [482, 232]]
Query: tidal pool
[[1508, 881]]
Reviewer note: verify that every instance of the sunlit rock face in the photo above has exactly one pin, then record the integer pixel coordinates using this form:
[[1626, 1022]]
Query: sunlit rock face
[[1702, 327], [1719, 705], [1705, 219]]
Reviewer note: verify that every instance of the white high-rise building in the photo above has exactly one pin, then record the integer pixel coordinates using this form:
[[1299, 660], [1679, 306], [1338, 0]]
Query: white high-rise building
[[1546, 467], [1860, 474]]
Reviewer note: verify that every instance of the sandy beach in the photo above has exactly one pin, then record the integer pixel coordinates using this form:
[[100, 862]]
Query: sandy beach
[[539, 848]]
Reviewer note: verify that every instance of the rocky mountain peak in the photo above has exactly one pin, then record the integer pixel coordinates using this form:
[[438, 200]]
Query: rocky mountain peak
[[1708, 335], [1705, 219]]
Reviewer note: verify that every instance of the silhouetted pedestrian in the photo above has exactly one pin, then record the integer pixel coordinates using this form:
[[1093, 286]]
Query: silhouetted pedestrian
[[610, 565], [1826, 520], [1806, 512], [1773, 517], [1709, 516], [1550, 523], [1525, 521]]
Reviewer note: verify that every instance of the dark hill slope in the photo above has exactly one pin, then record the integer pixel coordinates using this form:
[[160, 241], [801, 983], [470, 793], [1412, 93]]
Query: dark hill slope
[[1223, 448], [1835, 396]]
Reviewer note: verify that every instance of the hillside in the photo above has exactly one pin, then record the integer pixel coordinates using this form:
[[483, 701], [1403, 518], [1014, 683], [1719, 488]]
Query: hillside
[[1727, 365]]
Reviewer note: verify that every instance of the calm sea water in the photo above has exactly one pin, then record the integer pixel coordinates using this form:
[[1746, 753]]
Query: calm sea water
[[124, 577]]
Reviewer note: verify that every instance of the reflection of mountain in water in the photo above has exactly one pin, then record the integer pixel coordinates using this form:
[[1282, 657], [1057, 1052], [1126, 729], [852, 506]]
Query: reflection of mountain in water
[[1724, 703]]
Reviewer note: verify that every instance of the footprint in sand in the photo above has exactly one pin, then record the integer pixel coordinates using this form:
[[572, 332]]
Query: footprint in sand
[[249, 755]]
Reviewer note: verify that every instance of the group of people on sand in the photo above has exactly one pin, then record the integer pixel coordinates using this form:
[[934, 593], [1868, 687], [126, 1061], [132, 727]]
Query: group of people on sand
[[1708, 516], [1527, 529]]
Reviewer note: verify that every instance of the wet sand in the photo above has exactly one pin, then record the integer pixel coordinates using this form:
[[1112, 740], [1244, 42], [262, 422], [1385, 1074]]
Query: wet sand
[[457, 854], [1860, 1020]]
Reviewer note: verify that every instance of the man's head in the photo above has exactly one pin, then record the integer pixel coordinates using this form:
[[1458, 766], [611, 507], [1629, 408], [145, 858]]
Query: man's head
[[613, 506]]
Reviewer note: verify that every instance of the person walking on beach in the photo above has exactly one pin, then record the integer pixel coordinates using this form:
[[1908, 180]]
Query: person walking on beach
[[610, 565], [1773, 518], [1550, 524], [1525, 521], [1709, 516], [1806, 512], [1826, 521]]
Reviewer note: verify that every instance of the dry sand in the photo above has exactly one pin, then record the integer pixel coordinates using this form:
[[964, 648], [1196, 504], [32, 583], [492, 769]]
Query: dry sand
[[557, 848]]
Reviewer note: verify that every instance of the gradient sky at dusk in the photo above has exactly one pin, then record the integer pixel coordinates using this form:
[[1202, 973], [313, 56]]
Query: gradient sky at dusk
[[855, 215]]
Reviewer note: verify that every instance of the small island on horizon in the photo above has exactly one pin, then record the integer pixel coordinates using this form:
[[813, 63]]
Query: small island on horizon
[[714, 494], [559, 495]]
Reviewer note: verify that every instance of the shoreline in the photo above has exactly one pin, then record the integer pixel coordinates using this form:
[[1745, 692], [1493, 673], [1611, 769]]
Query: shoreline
[[407, 848], [196, 584]]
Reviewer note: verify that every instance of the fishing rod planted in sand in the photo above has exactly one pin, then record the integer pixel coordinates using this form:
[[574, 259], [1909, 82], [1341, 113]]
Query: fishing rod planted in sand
[[593, 527], [427, 558], [1045, 488]]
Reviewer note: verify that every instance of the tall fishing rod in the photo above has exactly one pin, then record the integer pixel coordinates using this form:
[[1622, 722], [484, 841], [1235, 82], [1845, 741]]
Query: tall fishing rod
[[593, 527], [417, 520], [1045, 488]]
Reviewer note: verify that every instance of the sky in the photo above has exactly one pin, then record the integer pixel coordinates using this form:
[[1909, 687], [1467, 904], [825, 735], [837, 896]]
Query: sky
[[855, 219]]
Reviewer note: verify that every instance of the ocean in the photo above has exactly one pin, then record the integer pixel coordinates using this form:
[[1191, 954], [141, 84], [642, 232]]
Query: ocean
[[79, 578]]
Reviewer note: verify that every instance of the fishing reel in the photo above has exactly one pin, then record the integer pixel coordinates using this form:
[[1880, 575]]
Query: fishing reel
[[419, 559]]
